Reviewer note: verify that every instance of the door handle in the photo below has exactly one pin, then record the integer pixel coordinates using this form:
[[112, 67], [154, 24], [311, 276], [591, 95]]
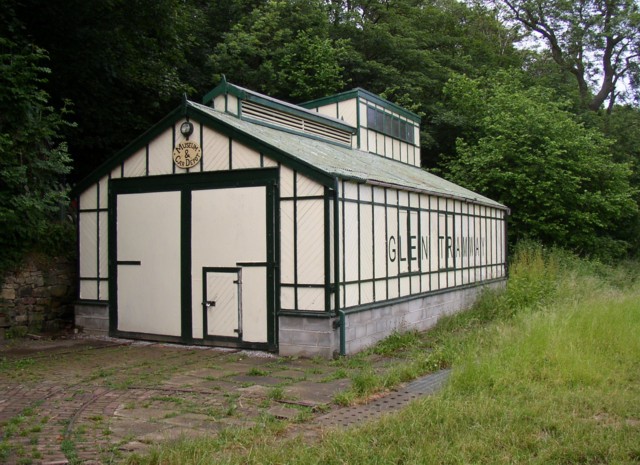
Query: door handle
[[210, 303]]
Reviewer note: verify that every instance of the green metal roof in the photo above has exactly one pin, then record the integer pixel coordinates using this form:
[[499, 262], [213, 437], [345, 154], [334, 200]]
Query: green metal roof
[[323, 161], [342, 162]]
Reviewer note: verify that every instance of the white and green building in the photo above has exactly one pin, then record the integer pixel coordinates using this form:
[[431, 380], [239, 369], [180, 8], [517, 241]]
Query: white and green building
[[245, 221]]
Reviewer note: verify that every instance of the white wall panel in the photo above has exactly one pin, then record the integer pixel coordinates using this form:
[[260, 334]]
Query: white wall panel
[[394, 290], [393, 255], [104, 245], [380, 243], [366, 239], [161, 154], [136, 165], [351, 294], [89, 290], [104, 290], [243, 157], [219, 103], [286, 242], [349, 112], [215, 151], [232, 104], [88, 247], [268, 162], [287, 298], [381, 290], [311, 241], [89, 198], [286, 182], [311, 299], [254, 304], [308, 187], [366, 293], [328, 110], [350, 190], [104, 192], [351, 241], [148, 228]]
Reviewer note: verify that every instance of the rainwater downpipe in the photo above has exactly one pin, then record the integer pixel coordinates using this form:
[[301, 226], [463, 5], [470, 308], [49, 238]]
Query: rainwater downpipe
[[343, 342]]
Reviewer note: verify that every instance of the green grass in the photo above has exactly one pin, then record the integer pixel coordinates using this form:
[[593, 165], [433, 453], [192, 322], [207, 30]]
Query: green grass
[[546, 371]]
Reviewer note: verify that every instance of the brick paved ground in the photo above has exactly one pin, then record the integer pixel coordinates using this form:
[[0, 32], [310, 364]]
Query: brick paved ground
[[94, 401]]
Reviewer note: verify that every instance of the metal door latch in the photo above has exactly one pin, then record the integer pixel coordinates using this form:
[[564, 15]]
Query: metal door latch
[[210, 303]]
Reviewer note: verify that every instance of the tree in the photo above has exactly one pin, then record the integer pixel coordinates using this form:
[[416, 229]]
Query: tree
[[123, 64], [283, 48], [597, 41], [33, 154], [522, 148], [406, 50]]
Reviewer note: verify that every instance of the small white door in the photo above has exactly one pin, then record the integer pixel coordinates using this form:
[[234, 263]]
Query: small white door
[[223, 303], [148, 263]]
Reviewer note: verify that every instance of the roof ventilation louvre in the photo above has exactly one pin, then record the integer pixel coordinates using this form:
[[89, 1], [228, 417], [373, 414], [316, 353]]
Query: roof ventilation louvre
[[251, 110]]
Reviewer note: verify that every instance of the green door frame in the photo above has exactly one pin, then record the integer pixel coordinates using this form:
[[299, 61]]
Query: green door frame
[[187, 183]]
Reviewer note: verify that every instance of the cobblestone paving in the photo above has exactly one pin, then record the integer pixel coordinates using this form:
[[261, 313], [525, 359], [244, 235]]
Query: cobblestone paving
[[94, 401]]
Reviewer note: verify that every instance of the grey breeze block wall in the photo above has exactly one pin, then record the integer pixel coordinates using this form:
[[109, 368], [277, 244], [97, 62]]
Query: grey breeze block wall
[[310, 337]]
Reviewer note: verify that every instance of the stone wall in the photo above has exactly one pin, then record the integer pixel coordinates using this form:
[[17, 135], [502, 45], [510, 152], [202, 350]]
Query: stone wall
[[38, 297]]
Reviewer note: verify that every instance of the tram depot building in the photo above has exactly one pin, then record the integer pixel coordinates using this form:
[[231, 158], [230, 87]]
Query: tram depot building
[[308, 230]]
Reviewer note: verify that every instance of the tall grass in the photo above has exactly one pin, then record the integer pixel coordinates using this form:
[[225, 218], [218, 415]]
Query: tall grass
[[546, 371]]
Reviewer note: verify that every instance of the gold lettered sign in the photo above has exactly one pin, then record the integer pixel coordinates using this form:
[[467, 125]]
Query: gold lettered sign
[[187, 154]]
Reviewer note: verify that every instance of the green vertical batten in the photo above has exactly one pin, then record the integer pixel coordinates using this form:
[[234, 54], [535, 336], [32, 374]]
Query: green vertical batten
[[344, 255], [386, 239], [201, 148], [295, 240], [230, 154], [113, 259], [327, 249], [336, 258], [358, 138], [98, 241], [173, 144], [398, 240], [336, 244], [419, 249], [373, 241], [185, 265], [273, 271], [359, 252]]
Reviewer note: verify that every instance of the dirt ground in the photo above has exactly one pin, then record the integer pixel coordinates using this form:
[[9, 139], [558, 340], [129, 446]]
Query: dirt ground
[[81, 400]]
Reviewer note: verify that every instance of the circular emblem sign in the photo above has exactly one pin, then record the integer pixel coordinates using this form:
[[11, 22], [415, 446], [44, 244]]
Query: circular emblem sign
[[187, 154]]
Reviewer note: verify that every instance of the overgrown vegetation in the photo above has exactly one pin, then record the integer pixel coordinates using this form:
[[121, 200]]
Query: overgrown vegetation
[[546, 371]]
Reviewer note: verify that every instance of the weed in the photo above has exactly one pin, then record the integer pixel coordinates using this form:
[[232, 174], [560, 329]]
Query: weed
[[255, 371], [276, 393]]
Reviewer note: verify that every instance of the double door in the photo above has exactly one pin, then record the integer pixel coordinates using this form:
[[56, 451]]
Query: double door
[[194, 264]]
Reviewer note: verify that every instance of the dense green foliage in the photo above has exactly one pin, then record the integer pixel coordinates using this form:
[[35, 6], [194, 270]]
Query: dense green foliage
[[123, 65], [33, 156], [522, 147], [545, 371]]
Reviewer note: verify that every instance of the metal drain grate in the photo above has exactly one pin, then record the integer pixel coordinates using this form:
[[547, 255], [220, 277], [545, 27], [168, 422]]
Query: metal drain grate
[[394, 401]]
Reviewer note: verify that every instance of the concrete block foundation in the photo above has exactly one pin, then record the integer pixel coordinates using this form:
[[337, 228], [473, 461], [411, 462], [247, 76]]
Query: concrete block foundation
[[320, 337], [92, 318]]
